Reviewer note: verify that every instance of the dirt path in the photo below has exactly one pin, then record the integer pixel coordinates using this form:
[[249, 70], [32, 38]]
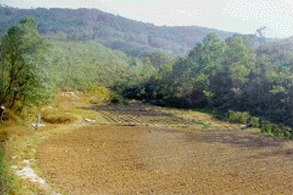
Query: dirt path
[[149, 160]]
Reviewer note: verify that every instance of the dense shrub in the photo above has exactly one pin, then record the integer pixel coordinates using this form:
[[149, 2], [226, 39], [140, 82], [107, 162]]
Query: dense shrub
[[115, 98], [287, 134], [276, 130], [254, 121], [238, 117], [287, 131], [266, 127]]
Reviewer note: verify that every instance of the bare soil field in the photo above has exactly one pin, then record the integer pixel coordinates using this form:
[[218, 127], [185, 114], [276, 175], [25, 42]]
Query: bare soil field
[[139, 114], [112, 159]]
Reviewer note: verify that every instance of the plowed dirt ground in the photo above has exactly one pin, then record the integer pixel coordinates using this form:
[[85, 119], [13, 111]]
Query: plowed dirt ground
[[113, 159]]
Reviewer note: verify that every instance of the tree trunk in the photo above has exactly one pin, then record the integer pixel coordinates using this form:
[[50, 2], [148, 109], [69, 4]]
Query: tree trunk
[[1, 113]]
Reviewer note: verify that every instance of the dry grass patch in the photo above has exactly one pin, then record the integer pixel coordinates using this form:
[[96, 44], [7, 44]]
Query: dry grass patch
[[55, 116], [3, 135], [207, 120]]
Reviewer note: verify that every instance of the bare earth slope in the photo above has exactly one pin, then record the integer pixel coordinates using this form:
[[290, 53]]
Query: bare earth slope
[[160, 160]]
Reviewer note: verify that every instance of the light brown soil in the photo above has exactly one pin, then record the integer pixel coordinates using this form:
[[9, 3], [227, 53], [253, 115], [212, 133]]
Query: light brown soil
[[150, 160]]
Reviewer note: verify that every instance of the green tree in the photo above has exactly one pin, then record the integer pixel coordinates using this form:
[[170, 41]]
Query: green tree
[[240, 60], [158, 58], [24, 54], [203, 62]]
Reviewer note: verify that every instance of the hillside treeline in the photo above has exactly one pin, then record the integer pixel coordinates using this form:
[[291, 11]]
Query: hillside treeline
[[78, 65], [32, 65], [223, 75], [115, 32], [226, 75]]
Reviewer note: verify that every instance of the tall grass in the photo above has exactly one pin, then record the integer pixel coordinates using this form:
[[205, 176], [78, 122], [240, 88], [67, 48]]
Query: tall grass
[[5, 179]]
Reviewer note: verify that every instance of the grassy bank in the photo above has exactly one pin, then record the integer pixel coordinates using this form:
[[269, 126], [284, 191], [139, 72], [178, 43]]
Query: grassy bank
[[6, 178]]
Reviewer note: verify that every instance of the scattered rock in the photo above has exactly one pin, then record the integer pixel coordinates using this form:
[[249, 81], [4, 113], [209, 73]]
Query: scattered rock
[[243, 126], [89, 120], [37, 125], [28, 173], [68, 94]]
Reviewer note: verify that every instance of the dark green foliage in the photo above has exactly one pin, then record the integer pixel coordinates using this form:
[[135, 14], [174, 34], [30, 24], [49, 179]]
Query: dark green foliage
[[158, 58], [230, 75], [287, 134], [116, 98]]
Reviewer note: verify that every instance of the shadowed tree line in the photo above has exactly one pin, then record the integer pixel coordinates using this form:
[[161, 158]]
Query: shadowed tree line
[[226, 75]]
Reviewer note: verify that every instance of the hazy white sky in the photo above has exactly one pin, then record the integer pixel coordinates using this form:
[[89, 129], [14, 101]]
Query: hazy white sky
[[243, 16]]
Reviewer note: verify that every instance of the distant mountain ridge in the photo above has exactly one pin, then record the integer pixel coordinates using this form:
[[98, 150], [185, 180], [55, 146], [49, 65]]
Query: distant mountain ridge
[[115, 32]]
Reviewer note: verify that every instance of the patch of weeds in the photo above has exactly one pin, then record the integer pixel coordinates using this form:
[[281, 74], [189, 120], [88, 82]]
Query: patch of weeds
[[95, 101], [168, 114], [201, 123], [6, 179], [255, 129], [205, 124]]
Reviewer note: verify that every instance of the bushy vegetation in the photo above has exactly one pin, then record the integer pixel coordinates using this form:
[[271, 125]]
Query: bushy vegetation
[[24, 62], [238, 117], [33, 66], [79, 65], [115, 98], [98, 94], [5, 178], [227, 75], [266, 127], [254, 121]]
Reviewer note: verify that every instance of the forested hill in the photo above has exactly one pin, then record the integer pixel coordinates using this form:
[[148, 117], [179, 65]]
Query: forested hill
[[115, 32]]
